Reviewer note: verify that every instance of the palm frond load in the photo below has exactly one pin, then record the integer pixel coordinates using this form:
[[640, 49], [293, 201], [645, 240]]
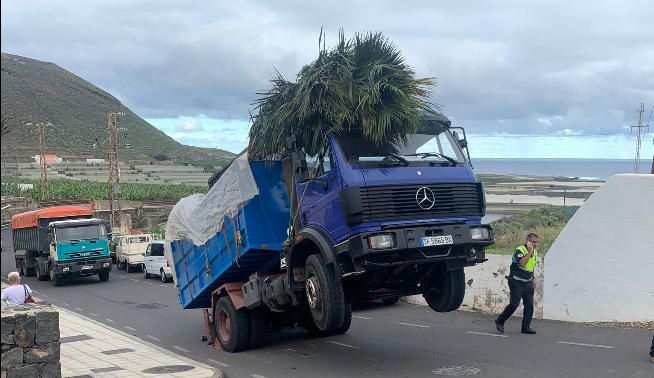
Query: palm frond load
[[361, 85]]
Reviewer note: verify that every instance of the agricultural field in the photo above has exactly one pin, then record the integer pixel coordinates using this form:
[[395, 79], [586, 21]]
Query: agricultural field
[[80, 189]]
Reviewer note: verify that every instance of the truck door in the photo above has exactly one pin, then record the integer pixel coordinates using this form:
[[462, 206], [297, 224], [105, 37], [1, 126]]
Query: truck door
[[147, 260], [320, 207]]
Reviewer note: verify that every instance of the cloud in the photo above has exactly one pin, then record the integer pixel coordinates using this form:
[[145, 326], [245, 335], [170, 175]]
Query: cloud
[[515, 66], [190, 124]]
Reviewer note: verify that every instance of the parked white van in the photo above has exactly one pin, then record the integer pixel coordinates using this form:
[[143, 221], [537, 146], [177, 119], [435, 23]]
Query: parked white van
[[130, 249], [155, 263]]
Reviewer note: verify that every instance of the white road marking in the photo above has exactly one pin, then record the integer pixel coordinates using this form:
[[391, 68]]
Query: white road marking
[[43, 295], [133, 280], [152, 337], [130, 328], [78, 309], [415, 325], [290, 350], [122, 276], [341, 344], [361, 317], [257, 376], [486, 334], [149, 283], [93, 314], [587, 345], [181, 349], [163, 285], [109, 320], [34, 291], [214, 362], [65, 304]]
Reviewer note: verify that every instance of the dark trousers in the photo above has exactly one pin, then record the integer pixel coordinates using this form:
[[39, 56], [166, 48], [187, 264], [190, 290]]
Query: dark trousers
[[519, 290], [651, 349]]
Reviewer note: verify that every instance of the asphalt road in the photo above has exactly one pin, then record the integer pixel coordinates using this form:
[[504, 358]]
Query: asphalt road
[[384, 341]]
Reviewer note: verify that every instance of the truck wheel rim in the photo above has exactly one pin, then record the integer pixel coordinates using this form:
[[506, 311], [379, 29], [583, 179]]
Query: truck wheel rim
[[313, 292], [224, 325]]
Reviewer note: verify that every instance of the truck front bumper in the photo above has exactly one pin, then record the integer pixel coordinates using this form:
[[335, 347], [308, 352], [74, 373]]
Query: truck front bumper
[[409, 246], [83, 267]]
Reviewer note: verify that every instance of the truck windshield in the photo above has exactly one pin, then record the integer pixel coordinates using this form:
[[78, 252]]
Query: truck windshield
[[83, 232], [420, 149]]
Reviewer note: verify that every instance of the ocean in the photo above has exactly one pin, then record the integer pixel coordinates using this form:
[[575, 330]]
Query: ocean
[[586, 169]]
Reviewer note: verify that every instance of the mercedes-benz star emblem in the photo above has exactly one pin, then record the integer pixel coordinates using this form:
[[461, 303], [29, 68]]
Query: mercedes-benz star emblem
[[425, 198]]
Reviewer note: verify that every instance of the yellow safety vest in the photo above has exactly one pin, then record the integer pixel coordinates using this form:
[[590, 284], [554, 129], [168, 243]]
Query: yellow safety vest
[[531, 264]]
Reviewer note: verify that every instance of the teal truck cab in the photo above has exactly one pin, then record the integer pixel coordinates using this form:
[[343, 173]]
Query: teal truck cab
[[61, 242]]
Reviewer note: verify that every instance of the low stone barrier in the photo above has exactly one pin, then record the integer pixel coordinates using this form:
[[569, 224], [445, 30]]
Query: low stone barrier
[[30, 341], [487, 289]]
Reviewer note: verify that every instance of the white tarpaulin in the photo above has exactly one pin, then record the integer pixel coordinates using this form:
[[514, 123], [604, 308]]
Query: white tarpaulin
[[197, 218]]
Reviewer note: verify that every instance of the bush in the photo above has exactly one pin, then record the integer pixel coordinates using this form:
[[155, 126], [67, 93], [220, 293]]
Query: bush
[[547, 222]]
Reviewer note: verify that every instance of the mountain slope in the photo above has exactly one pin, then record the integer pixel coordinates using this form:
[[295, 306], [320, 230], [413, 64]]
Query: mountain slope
[[35, 91]]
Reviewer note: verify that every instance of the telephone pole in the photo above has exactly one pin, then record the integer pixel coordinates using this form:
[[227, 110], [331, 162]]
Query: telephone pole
[[113, 184], [40, 127], [639, 138]]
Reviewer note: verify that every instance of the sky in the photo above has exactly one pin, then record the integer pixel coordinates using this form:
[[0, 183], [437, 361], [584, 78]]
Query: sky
[[526, 79]]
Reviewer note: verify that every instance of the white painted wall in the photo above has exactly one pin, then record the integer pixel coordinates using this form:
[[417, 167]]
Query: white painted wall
[[487, 289], [601, 267]]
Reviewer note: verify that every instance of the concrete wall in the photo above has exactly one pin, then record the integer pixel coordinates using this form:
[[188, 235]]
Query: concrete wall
[[601, 267], [487, 289], [30, 341]]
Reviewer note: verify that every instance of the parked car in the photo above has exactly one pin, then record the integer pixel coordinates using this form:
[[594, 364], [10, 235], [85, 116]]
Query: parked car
[[155, 263], [130, 249]]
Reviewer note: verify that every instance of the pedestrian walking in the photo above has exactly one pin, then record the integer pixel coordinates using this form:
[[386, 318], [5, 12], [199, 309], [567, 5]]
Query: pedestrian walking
[[521, 284], [651, 351], [16, 293]]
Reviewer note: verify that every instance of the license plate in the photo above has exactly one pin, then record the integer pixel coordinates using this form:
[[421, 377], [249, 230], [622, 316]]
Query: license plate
[[87, 267], [429, 241]]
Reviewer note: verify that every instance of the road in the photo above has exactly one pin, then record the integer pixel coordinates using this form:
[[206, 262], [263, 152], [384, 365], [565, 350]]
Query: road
[[389, 341]]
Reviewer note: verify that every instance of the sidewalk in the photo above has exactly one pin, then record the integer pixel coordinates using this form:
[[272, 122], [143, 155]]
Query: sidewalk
[[91, 349]]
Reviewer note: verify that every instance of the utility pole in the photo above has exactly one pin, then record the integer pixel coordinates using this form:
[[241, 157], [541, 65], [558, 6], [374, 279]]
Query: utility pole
[[40, 127], [639, 138], [113, 185]]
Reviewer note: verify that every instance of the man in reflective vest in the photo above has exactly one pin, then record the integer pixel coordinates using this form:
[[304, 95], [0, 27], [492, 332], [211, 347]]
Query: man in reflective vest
[[521, 285]]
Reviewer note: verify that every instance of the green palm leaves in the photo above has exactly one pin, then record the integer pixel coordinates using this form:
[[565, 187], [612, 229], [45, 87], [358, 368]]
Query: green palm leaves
[[361, 85]]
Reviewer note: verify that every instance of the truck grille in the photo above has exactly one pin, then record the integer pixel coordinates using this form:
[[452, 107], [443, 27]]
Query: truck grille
[[84, 254], [398, 202]]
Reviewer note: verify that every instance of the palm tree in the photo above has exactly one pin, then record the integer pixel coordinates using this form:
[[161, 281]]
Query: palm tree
[[361, 85]]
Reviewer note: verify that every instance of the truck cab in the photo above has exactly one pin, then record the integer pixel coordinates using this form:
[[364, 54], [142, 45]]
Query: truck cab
[[78, 247], [395, 219], [130, 250]]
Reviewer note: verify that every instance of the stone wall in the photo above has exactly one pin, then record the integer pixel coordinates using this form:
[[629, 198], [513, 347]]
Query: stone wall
[[487, 289], [30, 341]]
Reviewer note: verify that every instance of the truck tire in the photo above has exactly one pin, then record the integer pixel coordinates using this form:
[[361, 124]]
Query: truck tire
[[54, 278], [27, 272], [104, 275], [21, 266], [258, 319], [445, 290], [324, 295], [120, 265], [128, 267], [232, 326], [341, 329], [41, 276], [390, 301]]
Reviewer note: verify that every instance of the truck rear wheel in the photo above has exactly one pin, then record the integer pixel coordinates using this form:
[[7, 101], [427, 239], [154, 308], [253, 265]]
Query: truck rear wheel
[[445, 290], [324, 295], [41, 276], [104, 275], [232, 326]]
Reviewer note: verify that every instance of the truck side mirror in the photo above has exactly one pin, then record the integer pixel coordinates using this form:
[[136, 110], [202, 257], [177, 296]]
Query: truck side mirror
[[463, 143]]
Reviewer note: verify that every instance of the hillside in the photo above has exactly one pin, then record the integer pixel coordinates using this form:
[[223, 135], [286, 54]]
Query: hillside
[[35, 91]]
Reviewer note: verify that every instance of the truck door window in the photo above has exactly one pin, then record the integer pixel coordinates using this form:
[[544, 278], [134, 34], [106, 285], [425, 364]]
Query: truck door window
[[320, 163]]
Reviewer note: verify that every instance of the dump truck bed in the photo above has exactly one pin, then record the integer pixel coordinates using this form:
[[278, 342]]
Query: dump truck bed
[[248, 244]]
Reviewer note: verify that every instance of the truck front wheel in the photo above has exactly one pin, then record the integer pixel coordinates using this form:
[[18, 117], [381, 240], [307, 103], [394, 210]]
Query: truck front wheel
[[232, 326], [445, 290], [41, 276], [55, 279], [324, 295], [104, 275]]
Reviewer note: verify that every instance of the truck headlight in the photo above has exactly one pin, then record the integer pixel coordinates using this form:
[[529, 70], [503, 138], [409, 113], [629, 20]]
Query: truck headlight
[[105, 265], [65, 269], [381, 241], [480, 233]]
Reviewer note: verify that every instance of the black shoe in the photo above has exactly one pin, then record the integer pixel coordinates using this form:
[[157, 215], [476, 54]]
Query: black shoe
[[528, 331], [499, 326]]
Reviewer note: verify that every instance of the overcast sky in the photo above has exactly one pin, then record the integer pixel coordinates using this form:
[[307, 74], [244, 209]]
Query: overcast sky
[[546, 69]]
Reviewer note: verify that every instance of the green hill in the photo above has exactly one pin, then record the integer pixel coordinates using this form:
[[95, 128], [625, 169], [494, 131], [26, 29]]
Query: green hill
[[35, 91]]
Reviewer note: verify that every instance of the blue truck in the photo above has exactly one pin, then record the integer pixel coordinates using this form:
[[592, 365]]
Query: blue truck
[[61, 242], [358, 221]]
